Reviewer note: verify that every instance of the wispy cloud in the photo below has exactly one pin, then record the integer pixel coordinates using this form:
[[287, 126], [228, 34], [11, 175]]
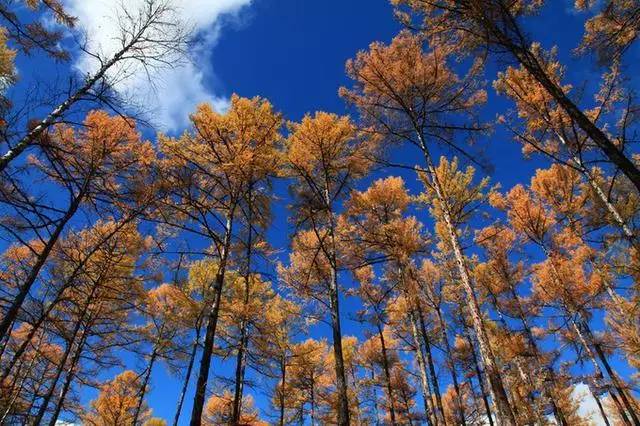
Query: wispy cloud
[[173, 92]]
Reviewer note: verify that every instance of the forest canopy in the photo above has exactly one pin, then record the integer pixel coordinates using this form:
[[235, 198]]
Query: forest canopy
[[411, 285]]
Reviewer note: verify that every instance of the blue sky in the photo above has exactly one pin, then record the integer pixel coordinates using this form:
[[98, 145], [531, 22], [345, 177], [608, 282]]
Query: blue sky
[[292, 52]]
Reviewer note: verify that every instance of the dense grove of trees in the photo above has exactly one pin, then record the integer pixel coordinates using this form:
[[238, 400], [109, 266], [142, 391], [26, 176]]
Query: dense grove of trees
[[476, 304]]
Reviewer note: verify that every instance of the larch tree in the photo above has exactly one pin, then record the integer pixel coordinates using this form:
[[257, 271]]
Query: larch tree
[[611, 30], [502, 280], [169, 313], [410, 96], [325, 155], [117, 402], [375, 229], [150, 38], [496, 26], [100, 167], [94, 316], [549, 130], [210, 171], [219, 410], [282, 323], [568, 276]]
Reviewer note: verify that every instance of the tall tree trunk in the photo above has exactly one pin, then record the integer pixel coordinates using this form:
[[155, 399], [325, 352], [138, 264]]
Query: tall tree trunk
[[5, 342], [143, 387], [313, 403], [14, 309], [244, 333], [336, 328], [387, 375], [596, 398], [612, 374], [504, 410], [37, 131], [356, 389], [430, 413], [521, 52], [67, 382], [187, 377], [598, 372], [212, 322], [283, 382], [483, 391], [432, 370], [72, 341], [449, 354], [549, 378], [375, 397]]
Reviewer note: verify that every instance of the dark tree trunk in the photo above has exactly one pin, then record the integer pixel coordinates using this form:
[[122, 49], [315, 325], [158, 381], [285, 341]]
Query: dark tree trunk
[[244, 336], [12, 313], [387, 375], [187, 377], [283, 366], [67, 383], [516, 44], [212, 322], [143, 387]]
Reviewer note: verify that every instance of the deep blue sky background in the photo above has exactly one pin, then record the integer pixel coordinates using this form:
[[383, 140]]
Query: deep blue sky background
[[293, 52]]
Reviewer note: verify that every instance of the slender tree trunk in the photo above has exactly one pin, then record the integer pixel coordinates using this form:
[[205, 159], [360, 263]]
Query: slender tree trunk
[[549, 379], [143, 388], [596, 398], [407, 405], [283, 382], [313, 403], [244, 335], [424, 380], [5, 343], [336, 328], [239, 376], [36, 132], [63, 361], [449, 354], [504, 410], [432, 370], [612, 374], [598, 372], [375, 397], [528, 60], [356, 389], [476, 364], [212, 322], [387, 375], [14, 309], [67, 382], [187, 378]]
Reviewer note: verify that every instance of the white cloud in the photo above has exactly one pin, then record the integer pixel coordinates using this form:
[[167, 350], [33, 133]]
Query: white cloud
[[174, 92]]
